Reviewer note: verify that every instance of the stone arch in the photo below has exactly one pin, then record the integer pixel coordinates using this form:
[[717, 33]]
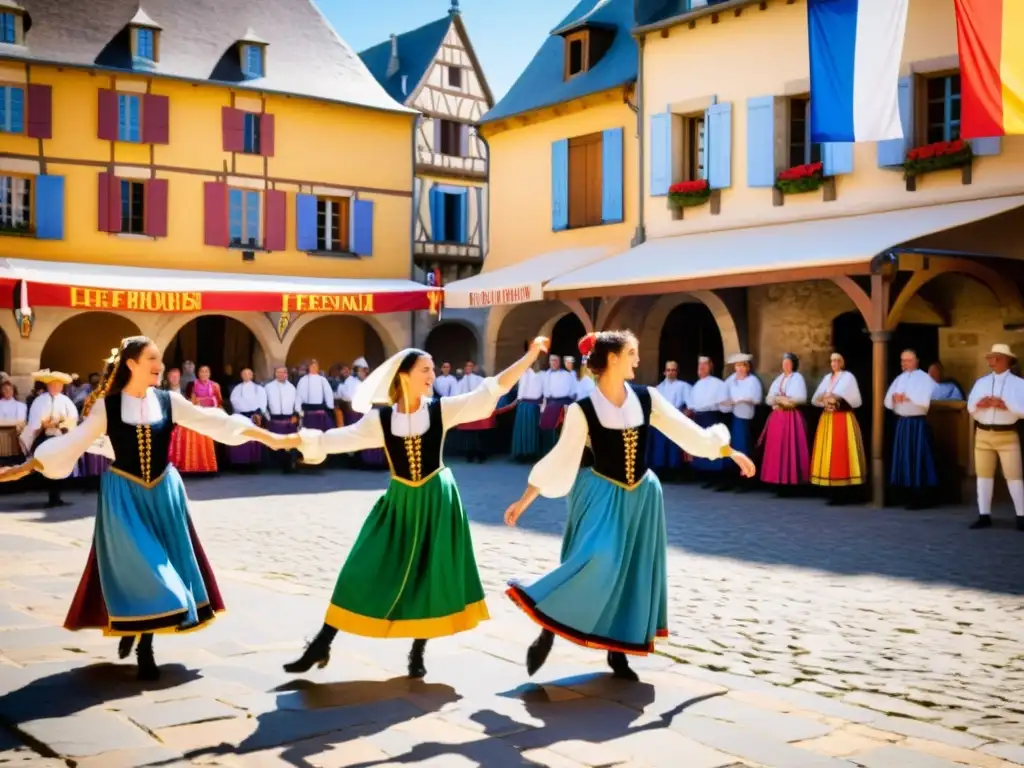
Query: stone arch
[[508, 327], [392, 330], [167, 327], [223, 341], [455, 341], [654, 321], [336, 338], [565, 335], [81, 342]]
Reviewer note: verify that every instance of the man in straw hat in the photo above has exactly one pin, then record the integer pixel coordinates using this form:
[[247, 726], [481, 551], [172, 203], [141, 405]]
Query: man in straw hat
[[997, 402], [52, 414]]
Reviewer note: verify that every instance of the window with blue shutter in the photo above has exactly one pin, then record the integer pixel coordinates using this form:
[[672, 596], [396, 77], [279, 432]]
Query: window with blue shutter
[[16, 204], [50, 207], [437, 230], [661, 154], [611, 176], [560, 185], [144, 44], [7, 28], [718, 137], [129, 124], [462, 202], [252, 61], [305, 222], [893, 152], [12, 109], [761, 141], [362, 227]]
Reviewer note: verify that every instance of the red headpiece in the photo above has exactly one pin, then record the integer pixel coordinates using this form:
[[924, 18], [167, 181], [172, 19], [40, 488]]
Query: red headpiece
[[586, 345]]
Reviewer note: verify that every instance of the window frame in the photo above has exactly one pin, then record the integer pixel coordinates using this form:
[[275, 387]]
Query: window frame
[[456, 136], [7, 99], [812, 151], [9, 228], [344, 208], [247, 50], [127, 214], [583, 38], [459, 81], [124, 128], [245, 198], [14, 26], [923, 126], [692, 154], [140, 33], [252, 133], [575, 142]]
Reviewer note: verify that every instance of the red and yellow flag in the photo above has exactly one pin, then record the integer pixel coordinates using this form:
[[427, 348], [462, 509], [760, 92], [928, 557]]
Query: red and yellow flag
[[989, 37]]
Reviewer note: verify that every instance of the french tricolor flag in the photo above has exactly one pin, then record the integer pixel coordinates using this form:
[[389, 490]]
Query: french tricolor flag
[[856, 47]]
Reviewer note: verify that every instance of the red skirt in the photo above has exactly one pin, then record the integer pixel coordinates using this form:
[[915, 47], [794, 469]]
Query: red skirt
[[192, 452]]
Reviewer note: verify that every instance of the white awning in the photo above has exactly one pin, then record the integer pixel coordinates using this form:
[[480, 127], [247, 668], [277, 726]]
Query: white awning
[[755, 255], [519, 283]]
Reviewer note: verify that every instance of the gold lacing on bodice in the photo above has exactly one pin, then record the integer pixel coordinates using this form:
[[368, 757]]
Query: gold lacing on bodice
[[144, 433], [630, 439], [414, 453]]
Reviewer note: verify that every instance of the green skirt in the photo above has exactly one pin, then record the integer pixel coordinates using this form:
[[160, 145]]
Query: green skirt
[[411, 572]]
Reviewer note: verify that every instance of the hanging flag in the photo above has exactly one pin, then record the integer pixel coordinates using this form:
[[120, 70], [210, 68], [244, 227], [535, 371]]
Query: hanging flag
[[989, 35], [855, 50]]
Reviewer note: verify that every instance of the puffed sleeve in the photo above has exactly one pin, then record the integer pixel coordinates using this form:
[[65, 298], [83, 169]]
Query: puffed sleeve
[[555, 474], [364, 435], [710, 443], [797, 390], [819, 393], [889, 393], [58, 455], [472, 406], [774, 391], [850, 392], [211, 422]]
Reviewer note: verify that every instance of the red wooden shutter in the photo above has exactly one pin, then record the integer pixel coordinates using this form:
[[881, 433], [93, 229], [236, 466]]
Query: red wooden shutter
[[40, 112], [107, 128], [155, 209], [233, 122], [267, 135], [215, 197], [109, 203], [274, 220], [156, 119]]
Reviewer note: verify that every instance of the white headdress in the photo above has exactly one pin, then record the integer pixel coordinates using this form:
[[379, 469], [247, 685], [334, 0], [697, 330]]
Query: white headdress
[[360, 362], [375, 389]]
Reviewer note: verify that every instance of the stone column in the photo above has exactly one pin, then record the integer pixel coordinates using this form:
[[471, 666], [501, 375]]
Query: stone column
[[879, 382]]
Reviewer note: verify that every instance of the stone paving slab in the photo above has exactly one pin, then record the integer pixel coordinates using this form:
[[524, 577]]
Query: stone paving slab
[[771, 664]]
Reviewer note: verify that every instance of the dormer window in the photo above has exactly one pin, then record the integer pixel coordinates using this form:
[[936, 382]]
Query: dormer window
[[12, 23], [252, 61], [145, 40], [576, 50], [585, 44], [145, 44]]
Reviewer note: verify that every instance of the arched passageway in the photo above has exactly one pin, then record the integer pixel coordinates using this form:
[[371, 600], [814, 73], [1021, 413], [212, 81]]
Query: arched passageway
[[83, 342], [454, 343], [332, 339], [566, 335], [690, 331], [223, 343]]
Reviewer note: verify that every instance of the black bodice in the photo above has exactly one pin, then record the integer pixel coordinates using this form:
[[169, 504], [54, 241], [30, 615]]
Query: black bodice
[[140, 450], [619, 454], [416, 457]]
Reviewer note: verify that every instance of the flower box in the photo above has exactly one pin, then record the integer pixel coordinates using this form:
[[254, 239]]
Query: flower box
[[939, 156], [800, 179], [687, 194]]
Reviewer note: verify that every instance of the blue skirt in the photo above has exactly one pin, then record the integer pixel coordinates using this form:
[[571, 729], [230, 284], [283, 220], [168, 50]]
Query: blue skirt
[[662, 453], [708, 419], [740, 437], [149, 570], [611, 590], [526, 431], [913, 458]]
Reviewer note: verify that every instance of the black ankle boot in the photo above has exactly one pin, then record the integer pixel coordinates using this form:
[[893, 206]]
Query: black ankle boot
[[538, 651], [620, 666], [124, 647], [417, 669], [148, 670], [317, 653]]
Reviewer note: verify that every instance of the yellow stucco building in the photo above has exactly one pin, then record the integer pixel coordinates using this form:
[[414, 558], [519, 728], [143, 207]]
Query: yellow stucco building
[[241, 196]]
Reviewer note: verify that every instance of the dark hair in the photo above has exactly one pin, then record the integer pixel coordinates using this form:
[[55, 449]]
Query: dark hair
[[607, 343], [793, 359], [117, 374], [407, 364]]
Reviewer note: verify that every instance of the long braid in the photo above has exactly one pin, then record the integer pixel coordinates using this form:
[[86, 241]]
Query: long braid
[[105, 382]]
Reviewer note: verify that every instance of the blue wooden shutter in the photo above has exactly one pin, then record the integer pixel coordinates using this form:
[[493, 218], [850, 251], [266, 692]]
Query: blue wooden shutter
[[362, 227], [305, 222], [661, 154], [988, 146], [49, 204], [836, 158], [718, 141], [437, 233], [560, 185], [611, 176], [761, 141], [463, 217], [17, 109], [252, 218], [893, 153]]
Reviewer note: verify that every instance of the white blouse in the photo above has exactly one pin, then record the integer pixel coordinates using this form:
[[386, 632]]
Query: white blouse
[[793, 387], [845, 388], [59, 454], [555, 474], [744, 394], [918, 386], [367, 434], [1003, 385], [12, 413]]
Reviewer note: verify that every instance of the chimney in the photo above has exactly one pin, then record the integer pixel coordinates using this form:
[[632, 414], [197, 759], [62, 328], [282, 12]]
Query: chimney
[[393, 63]]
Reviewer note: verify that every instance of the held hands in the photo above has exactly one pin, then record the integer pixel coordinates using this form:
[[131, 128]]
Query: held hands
[[747, 468], [992, 402], [10, 474], [514, 512], [539, 345]]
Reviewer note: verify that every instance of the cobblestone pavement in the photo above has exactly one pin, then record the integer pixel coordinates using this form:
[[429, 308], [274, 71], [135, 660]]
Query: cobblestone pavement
[[802, 636]]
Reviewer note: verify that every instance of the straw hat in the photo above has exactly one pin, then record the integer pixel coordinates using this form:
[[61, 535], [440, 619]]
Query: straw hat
[[46, 376], [1001, 349], [739, 358]]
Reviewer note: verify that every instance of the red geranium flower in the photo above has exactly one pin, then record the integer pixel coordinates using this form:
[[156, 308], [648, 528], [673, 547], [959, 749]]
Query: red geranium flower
[[801, 172], [689, 187]]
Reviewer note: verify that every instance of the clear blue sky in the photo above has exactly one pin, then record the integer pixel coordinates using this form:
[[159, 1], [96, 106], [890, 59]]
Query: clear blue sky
[[505, 33]]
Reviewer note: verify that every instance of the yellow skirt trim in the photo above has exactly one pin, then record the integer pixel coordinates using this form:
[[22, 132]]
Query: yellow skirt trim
[[108, 632], [421, 629]]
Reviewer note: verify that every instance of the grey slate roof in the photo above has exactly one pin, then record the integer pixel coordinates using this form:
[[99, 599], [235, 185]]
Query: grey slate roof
[[542, 83], [416, 51], [305, 56]]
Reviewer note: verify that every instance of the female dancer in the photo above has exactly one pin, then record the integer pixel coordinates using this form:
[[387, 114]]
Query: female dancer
[[191, 452], [411, 572], [610, 592], [146, 573], [786, 461]]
